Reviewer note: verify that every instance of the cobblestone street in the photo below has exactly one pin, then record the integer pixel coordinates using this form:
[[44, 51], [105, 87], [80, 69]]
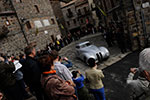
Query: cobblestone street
[[96, 39], [79, 31]]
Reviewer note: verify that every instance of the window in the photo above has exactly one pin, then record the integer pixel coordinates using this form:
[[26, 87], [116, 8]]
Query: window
[[81, 20], [79, 11], [37, 9], [38, 24], [85, 10], [52, 20], [69, 14], [46, 22], [74, 21], [52, 37], [28, 25], [69, 10], [68, 23]]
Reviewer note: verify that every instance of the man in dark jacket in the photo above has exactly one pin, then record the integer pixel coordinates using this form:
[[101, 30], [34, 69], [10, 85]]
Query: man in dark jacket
[[31, 72], [8, 83]]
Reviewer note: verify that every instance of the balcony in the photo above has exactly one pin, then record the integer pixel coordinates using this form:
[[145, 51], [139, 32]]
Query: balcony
[[83, 14], [86, 12], [69, 15]]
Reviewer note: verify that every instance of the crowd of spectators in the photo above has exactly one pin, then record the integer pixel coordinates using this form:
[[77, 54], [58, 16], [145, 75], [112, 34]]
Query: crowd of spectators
[[43, 73], [57, 44], [46, 76]]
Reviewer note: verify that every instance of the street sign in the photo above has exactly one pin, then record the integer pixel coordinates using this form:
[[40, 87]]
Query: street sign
[[145, 5]]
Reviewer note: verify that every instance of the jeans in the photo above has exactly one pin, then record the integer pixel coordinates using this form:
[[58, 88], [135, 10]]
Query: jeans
[[99, 94]]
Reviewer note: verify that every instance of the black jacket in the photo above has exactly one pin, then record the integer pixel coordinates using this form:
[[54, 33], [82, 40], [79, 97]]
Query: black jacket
[[7, 78], [31, 72]]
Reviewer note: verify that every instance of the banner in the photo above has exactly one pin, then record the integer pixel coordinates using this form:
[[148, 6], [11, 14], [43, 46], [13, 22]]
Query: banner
[[102, 11]]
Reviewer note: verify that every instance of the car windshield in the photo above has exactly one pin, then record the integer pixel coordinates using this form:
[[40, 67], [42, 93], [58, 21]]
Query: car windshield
[[85, 45]]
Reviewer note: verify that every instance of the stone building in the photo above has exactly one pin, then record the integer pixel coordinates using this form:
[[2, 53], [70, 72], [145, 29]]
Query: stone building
[[70, 16], [124, 11], [35, 18], [77, 14], [93, 11], [142, 13], [59, 15], [84, 13]]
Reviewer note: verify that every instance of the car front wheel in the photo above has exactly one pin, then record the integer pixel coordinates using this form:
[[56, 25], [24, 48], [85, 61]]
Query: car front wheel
[[89, 59]]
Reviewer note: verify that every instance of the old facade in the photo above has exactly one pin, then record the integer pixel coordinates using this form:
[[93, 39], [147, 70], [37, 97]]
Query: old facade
[[33, 17], [77, 14], [59, 15], [84, 13], [70, 16], [92, 7], [124, 11]]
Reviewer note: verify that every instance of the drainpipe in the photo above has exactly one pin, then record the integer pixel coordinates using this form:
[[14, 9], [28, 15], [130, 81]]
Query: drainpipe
[[21, 25]]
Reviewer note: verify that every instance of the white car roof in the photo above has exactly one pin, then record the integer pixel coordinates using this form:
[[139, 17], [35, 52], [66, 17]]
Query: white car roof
[[83, 43]]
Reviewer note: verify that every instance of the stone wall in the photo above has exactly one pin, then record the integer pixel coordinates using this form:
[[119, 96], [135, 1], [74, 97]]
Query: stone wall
[[13, 44], [59, 16], [38, 22], [11, 23]]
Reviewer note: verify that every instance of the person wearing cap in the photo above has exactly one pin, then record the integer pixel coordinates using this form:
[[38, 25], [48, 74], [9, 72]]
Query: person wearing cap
[[140, 85]]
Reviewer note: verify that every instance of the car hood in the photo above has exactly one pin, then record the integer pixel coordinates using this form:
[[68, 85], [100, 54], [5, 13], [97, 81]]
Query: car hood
[[91, 48]]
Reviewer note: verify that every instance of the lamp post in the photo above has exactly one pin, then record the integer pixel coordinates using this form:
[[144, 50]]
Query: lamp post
[[22, 29]]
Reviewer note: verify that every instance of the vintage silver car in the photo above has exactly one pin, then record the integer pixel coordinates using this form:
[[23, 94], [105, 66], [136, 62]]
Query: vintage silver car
[[86, 51]]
